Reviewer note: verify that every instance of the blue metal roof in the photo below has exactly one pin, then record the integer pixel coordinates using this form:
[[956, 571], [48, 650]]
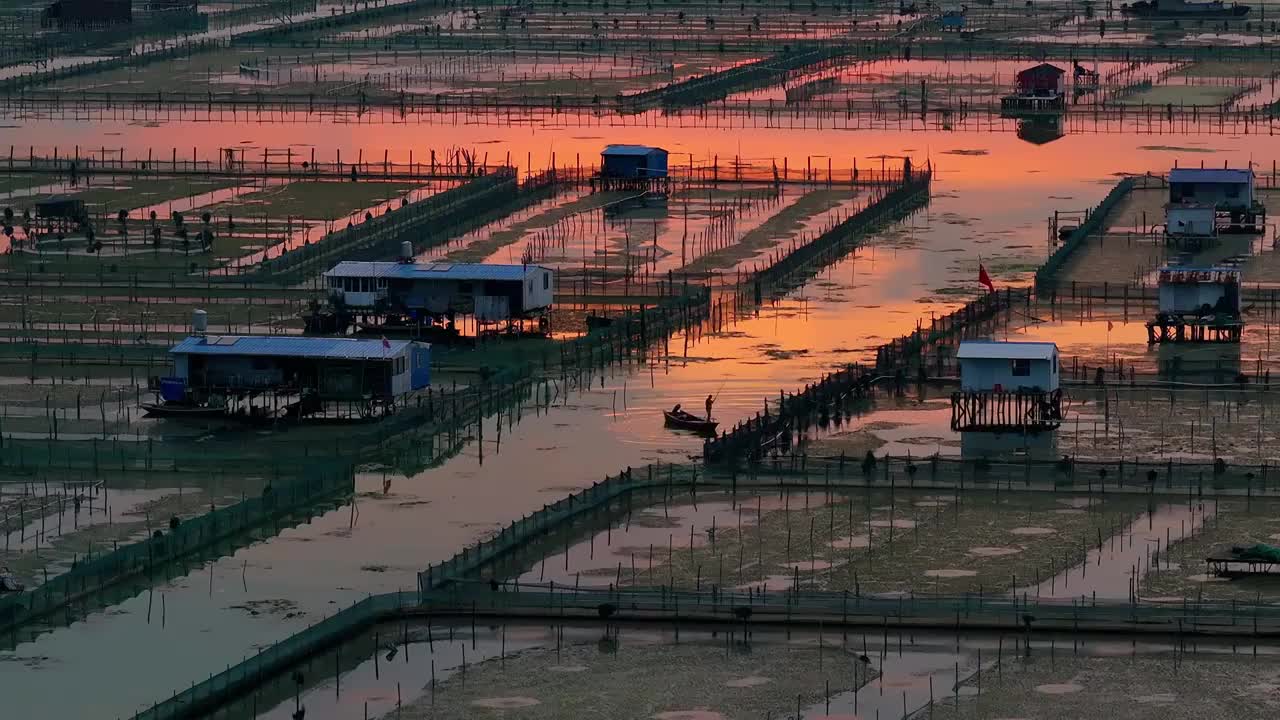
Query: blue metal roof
[[631, 150], [305, 347], [1203, 175], [433, 271]]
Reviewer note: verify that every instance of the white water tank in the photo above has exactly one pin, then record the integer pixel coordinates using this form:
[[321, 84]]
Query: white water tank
[[199, 322], [406, 252]]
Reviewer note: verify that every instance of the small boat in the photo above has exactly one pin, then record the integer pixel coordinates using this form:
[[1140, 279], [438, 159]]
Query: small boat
[[175, 410], [684, 421]]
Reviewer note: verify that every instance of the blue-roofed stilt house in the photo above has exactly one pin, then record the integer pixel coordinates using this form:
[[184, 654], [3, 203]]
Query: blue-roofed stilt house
[[633, 167], [441, 300], [1007, 386], [280, 377]]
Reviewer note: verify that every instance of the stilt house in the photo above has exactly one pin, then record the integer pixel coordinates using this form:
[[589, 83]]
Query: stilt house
[[1007, 386], [1197, 305]]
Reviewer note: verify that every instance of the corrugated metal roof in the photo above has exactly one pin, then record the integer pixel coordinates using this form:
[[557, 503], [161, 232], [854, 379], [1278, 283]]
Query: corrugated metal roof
[[309, 347], [631, 150], [433, 271], [993, 350], [1206, 175]]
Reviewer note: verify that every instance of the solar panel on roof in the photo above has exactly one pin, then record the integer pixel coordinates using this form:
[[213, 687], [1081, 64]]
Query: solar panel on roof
[[223, 340]]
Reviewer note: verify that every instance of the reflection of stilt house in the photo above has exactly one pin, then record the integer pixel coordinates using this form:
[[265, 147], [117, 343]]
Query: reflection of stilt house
[[1190, 226], [1197, 305], [1228, 191], [1015, 444], [1039, 89], [1007, 386], [432, 300], [1041, 129]]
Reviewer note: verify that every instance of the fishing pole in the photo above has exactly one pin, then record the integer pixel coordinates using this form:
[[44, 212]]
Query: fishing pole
[[716, 397]]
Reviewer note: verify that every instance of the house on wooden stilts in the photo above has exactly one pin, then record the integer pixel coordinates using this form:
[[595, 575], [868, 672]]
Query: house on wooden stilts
[[1197, 305], [1007, 386]]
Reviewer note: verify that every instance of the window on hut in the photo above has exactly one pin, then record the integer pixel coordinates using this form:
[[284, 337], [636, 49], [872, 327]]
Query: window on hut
[[1022, 368]]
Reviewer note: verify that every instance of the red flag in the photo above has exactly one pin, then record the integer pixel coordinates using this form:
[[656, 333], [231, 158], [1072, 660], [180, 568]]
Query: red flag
[[1110, 326], [386, 343], [984, 278]]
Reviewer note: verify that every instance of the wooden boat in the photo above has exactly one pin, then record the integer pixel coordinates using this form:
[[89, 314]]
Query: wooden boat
[[685, 421], [169, 410]]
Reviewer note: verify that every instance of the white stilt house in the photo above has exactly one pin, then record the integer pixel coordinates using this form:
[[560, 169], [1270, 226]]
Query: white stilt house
[[1007, 386], [1198, 304]]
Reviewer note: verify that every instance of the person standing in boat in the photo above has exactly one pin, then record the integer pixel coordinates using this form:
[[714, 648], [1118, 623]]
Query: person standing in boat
[[710, 401]]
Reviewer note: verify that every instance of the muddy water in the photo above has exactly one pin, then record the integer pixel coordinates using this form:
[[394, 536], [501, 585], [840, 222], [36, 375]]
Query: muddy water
[[1111, 571], [341, 556], [913, 668], [121, 663], [646, 536], [955, 79], [653, 236], [1000, 161], [310, 230], [634, 544], [97, 508]]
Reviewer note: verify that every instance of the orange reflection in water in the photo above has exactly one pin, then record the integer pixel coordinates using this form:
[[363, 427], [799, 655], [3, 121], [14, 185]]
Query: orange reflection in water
[[1008, 161]]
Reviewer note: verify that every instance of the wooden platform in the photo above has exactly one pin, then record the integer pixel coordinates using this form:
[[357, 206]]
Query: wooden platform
[[1006, 411], [1233, 567], [1179, 330]]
